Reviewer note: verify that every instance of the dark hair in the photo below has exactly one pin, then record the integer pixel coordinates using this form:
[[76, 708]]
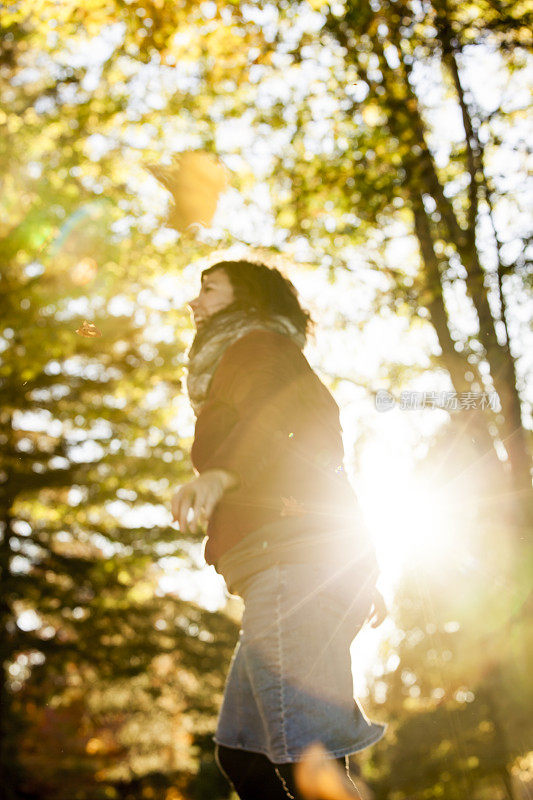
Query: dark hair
[[265, 290]]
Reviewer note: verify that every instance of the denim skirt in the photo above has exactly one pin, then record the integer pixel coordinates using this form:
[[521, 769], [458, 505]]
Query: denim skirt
[[290, 680]]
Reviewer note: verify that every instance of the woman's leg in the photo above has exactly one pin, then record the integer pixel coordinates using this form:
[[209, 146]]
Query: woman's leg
[[286, 773], [255, 777], [252, 775]]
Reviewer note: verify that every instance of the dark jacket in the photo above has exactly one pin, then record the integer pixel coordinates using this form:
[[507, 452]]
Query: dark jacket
[[269, 419]]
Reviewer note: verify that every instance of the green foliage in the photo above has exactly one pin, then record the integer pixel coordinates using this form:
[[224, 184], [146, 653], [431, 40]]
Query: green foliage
[[387, 167], [109, 667], [90, 381], [457, 686]]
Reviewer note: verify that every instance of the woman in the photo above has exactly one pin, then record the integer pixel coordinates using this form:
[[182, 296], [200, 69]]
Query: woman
[[283, 528]]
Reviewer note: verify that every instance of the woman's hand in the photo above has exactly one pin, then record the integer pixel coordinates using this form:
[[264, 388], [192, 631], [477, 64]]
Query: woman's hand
[[201, 495], [378, 612]]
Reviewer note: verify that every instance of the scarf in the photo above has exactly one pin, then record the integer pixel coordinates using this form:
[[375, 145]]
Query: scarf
[[214, 336]]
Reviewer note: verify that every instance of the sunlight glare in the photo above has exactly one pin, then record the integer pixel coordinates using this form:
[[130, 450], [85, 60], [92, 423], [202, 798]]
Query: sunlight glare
[[406, 514]]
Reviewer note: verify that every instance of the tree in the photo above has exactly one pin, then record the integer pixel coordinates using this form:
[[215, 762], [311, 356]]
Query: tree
[[94, 95], [455, 683], [90, 450], [382, 171]]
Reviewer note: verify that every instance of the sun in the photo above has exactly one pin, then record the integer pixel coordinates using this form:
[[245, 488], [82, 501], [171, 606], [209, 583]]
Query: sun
[[410, 518]]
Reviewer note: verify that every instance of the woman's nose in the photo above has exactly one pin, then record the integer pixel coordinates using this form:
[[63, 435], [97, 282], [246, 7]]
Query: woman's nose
[[192, 303]]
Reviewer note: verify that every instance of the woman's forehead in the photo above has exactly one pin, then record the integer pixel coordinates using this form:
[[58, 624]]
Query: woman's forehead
[[217, 276]]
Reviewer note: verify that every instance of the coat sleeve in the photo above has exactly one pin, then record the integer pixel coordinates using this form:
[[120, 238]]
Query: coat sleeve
[[260, 391]]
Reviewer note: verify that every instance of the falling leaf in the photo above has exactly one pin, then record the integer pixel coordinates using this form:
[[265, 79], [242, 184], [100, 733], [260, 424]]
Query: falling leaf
[[88, 329], [318, 775], [195, 180]]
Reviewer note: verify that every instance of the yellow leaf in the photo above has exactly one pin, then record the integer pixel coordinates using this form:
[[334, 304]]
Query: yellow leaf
[[195, 180], [88, 330]]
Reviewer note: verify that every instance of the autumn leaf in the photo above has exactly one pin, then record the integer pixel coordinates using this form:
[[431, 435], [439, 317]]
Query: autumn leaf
[[88, 329], [195, 180], [318, 775]]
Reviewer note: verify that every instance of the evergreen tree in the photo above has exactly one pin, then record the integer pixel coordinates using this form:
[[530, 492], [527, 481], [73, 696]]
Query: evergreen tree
[[90, 381]]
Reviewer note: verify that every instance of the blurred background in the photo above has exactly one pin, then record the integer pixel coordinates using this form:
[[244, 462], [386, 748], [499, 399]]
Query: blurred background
[[377, 153]]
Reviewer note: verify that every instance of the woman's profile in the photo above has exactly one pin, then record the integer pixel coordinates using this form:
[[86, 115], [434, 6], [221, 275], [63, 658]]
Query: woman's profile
[[284, 529]]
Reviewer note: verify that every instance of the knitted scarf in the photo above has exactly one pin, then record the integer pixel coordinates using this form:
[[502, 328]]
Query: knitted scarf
[[214, 336]]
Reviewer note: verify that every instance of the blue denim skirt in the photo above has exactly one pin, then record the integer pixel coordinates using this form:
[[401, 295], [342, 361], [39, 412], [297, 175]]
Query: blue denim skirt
[[290, 680]]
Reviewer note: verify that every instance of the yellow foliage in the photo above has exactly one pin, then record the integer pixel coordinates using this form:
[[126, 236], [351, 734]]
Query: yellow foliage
[[141, 592], [174, 794], [124, 577], [373, 115], [84, 271], [14, 124], [94, 746]]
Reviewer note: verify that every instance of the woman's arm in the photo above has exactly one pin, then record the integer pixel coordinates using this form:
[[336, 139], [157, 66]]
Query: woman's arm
[[252, 399], [201, 495], [256, 383]]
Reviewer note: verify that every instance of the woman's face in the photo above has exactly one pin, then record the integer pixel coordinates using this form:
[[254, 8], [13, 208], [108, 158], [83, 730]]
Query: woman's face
[[216, 293]]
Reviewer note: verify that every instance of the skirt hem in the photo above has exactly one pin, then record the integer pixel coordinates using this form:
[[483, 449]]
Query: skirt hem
[[290, 759]]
